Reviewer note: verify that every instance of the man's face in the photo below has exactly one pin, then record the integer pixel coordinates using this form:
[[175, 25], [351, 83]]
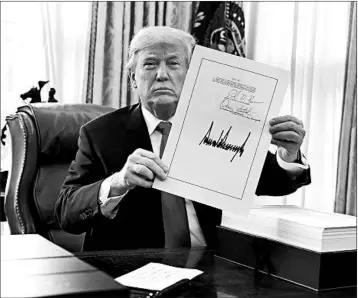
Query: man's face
[[159, 77]]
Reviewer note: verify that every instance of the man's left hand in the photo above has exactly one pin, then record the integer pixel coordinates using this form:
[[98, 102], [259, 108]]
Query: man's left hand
[[287, 133]]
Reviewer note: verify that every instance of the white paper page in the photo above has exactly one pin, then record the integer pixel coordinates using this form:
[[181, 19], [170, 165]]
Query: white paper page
[[220, 133], [156, 277], [308, 217], [300, 216]]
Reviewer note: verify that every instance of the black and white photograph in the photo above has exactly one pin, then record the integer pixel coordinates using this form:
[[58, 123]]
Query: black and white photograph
[[178, 149]]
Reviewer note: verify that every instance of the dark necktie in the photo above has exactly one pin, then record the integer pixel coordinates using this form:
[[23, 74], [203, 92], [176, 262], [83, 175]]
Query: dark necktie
[[175, 219]]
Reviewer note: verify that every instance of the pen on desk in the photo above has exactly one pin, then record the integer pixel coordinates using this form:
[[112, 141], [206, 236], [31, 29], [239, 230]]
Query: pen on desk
[[142, 293], [172, 287], [150, 294]]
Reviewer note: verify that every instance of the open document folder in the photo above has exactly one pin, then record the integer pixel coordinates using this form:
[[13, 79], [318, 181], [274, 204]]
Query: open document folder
[[220, 132]]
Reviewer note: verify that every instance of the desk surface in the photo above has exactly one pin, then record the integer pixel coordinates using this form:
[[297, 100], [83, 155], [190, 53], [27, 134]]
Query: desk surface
[[31, 266], [29, 246], [221, 278]]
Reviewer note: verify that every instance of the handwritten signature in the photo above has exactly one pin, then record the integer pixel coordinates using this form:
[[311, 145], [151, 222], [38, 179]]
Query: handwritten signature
[[240, 104], [221, 142], [241, 111]]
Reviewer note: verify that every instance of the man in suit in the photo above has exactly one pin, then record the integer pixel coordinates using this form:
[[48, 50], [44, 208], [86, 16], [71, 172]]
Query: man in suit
[[108, 192]]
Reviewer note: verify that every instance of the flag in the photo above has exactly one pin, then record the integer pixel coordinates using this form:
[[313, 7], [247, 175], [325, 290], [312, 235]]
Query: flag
[[221, 26]]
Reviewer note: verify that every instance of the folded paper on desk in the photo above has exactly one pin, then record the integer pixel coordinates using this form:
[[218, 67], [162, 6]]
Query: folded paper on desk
[[157, 277]]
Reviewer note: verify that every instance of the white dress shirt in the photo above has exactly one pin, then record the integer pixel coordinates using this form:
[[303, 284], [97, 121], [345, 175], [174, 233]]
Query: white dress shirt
[[109, 206]]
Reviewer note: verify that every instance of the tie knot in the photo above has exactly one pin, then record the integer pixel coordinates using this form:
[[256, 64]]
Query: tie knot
[[164, 128]]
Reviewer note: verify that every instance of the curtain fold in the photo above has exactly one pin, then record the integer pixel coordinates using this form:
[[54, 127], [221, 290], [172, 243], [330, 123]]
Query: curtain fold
[[64, 46], [297, 36], [113, 26], [346, 190]]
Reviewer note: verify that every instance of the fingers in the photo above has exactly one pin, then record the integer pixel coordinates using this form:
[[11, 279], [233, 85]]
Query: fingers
[[287, 126], [154, 157], [286, 118], [141, 168], [139, 181], [287, 132], [142, 171], [145, 162], [287, 136], [137, 175], [288, 145]]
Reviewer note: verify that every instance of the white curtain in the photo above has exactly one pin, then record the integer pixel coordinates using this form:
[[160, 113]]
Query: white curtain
[[42, 41], [310, 40], [65, 28]]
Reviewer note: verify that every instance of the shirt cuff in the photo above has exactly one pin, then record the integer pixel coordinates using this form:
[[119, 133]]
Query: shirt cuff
[[109, 206], [292, 168]]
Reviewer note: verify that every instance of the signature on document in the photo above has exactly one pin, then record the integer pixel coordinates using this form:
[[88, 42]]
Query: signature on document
[[240, 103]]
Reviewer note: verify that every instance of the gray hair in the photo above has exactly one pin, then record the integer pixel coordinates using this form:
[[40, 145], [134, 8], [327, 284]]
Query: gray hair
[[149, 36]]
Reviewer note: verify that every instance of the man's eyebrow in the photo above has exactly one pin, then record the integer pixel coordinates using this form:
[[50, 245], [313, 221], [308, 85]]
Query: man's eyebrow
[[173, 55], [152, 55]]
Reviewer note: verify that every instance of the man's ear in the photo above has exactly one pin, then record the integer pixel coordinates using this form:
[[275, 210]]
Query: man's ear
[[133, 81]]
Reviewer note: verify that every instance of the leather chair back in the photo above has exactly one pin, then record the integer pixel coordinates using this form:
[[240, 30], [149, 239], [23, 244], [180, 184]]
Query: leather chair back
[[43, 140]]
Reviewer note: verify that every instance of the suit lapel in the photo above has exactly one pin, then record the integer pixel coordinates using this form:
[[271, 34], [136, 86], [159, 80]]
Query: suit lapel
[[137, 136], [137, 132]]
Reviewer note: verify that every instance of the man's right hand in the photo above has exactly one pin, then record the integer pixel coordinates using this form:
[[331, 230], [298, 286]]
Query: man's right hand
[[141, 168]]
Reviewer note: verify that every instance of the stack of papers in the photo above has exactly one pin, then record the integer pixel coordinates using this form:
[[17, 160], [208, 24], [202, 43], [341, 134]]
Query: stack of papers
[[304, 228]]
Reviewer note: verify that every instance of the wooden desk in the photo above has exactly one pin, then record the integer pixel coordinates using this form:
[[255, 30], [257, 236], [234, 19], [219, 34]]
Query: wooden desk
[[29, 246], [32, 266], [221, 278], [35, 267]]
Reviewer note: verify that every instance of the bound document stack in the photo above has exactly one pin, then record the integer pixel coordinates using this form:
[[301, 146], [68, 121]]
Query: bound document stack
[[310, 248], [309, 229]]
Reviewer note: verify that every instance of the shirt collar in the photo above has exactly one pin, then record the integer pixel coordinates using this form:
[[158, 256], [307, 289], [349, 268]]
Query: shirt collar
[[151, 121]]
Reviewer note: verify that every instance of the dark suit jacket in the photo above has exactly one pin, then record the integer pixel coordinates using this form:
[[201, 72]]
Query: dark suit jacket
[[104, 145]]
